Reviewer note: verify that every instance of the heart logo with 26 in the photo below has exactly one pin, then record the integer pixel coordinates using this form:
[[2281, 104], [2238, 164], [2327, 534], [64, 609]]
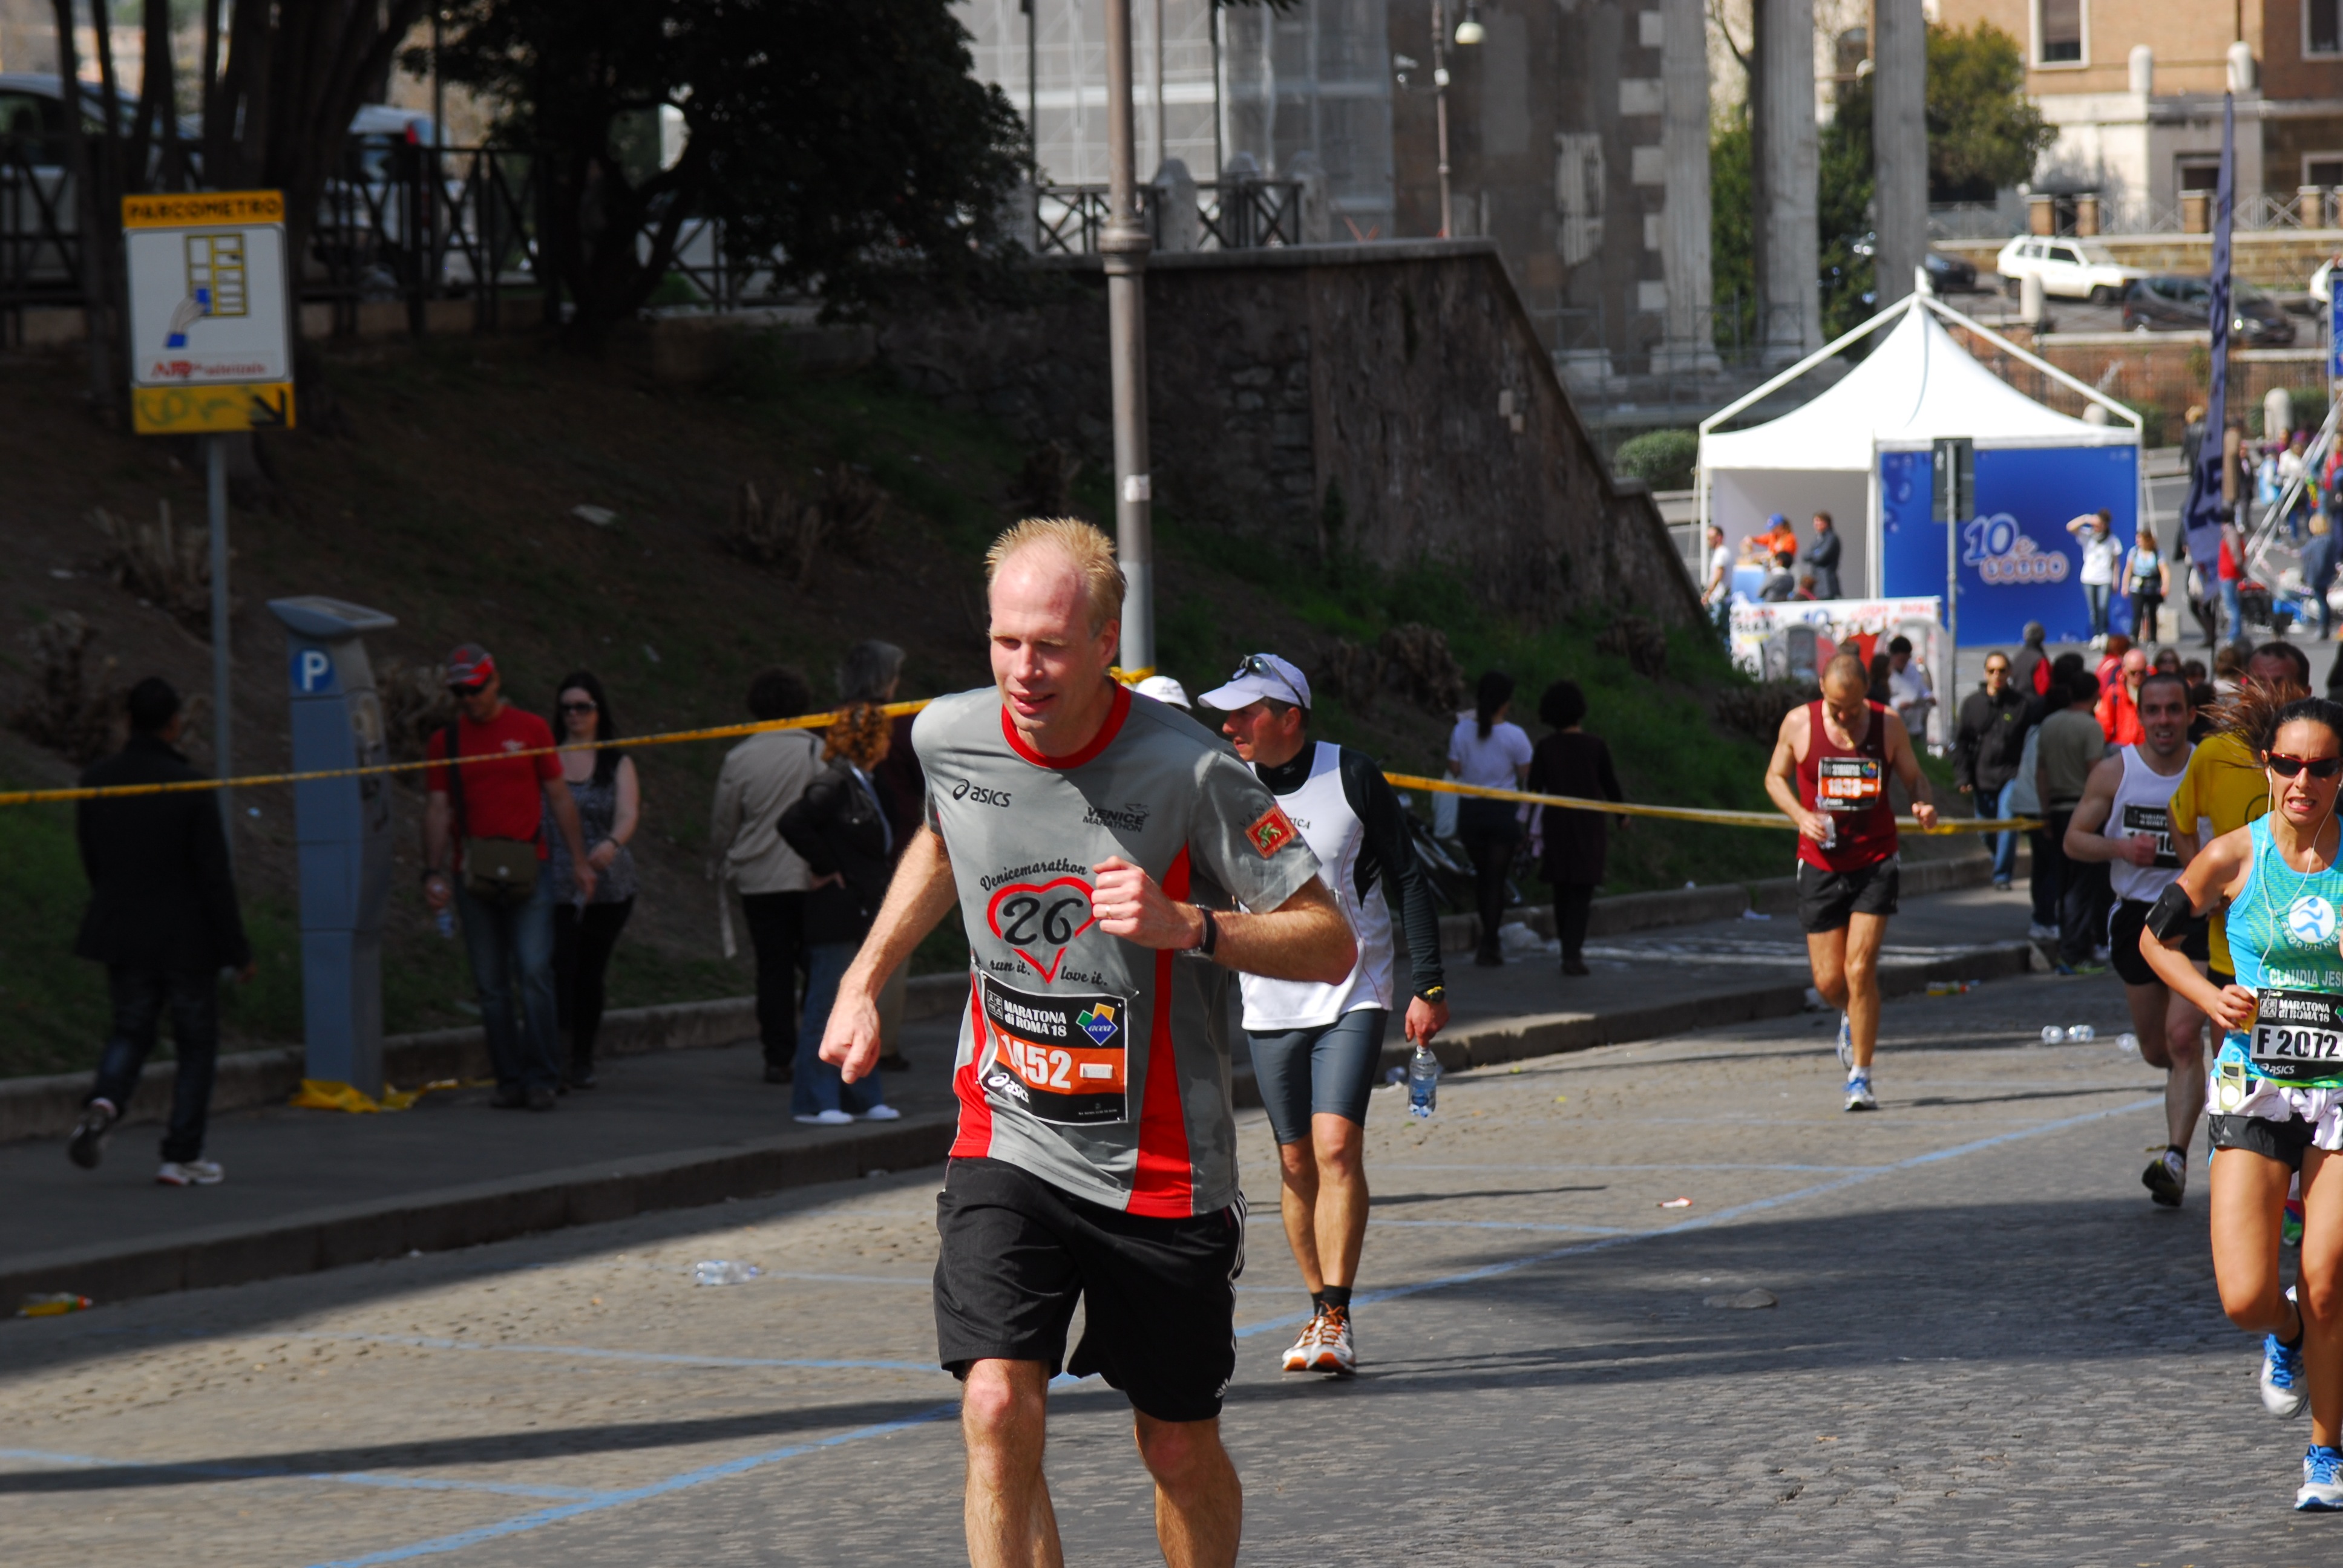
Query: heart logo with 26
[[1042, 919]]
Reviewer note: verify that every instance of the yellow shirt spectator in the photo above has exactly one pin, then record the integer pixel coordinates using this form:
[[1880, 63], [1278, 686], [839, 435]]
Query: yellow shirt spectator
[[2223, 789]]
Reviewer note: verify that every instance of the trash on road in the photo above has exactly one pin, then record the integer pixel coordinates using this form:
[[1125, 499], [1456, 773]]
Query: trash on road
[[1676, 1203], [2081, 1031], [56, 1304], [1953, 986], [723, 1271], [1746, 1301], [1754, 915], [2127, 1043], [600, 517], [2053, 1035]]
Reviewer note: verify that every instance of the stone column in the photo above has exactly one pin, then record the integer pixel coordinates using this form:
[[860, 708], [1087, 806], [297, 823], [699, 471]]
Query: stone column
[[1899, 142], [1683, 144], [1786, 159]]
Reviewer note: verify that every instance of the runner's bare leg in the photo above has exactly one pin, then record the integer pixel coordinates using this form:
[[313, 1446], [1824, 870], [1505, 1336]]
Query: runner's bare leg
[[2170, 1037], [1004, 1418], [2321, 1292], [2248, 1207], [1199, 1502], [1297, 1205], [1846, 973]]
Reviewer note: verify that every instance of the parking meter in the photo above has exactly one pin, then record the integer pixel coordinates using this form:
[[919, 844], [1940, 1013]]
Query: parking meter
[[343, 828]]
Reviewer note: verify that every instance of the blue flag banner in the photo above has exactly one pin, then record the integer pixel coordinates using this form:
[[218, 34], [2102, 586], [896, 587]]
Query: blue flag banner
[[2201, 520]]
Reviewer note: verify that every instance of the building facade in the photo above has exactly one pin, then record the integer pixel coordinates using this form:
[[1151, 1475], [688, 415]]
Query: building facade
[[2135, 88]]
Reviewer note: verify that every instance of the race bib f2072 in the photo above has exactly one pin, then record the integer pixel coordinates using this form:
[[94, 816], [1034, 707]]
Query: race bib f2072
[[1059, 1058], [2297, 1037]]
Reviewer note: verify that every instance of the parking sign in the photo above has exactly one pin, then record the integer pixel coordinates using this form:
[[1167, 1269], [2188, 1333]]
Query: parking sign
[[211, 329]]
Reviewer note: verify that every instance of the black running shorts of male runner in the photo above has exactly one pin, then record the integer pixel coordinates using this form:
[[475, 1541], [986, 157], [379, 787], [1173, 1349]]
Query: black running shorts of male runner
[[2283, 1142], [1825, 899], [1159, 1295], [1328, 1070], [2127, 921]]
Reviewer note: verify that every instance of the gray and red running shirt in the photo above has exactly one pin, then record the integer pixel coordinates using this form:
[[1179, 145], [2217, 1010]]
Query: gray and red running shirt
[[1068, 1064]]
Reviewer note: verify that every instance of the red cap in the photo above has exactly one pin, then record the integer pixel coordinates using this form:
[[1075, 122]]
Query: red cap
[[471, 665]]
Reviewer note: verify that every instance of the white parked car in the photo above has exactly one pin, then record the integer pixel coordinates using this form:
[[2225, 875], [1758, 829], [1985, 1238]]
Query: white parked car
[[2068, 268]]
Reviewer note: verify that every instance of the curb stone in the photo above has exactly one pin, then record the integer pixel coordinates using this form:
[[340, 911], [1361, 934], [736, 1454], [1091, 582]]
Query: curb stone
[[313, 1239]]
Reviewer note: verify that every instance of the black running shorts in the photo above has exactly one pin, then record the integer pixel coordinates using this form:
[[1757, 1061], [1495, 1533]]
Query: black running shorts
[[2283, 1142], [1159, 1296], [1330, 1069], [1825, 899], [2125, 923]]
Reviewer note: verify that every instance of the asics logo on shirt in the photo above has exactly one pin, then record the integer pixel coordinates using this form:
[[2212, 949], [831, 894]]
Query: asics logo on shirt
[[965, 790]]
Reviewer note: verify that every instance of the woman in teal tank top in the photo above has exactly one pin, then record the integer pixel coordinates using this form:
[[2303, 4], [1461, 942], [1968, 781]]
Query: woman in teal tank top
[[2275, 1094]]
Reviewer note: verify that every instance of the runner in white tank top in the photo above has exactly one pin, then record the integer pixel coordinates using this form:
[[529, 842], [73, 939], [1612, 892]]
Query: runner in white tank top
[[2123, 821], [1316, 1047]]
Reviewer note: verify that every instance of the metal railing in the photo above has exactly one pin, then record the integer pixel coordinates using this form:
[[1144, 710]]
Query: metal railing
[[2255, 212], [1231, 214], [396, 222]]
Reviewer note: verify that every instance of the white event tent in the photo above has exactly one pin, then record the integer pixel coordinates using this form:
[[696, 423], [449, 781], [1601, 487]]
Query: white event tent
[[1917, 385]]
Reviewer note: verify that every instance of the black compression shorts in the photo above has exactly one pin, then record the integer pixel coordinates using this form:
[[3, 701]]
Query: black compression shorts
[[2125, 923], [2284, 1141], [1159, 1296], [1825, 899], [1331, 1069]]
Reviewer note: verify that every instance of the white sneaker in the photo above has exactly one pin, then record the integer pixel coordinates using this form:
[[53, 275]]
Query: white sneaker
[[1334, 1353], [2038, 933], [828, 1119], [190, 1173], [1858, 1093], [882, 1113], [1846, 1042], [1298, 1354]]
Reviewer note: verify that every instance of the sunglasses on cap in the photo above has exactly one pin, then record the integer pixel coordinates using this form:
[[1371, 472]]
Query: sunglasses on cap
[[1255, 664], [2286, 766]]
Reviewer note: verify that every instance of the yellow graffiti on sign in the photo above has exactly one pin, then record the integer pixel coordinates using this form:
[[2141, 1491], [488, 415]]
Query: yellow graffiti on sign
[[210, 411]]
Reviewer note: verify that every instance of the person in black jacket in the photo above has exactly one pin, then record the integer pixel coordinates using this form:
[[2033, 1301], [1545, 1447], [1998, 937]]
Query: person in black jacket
[[163, 920], [1986, 748], [840, 829], [1571, 848], [1823, 556]]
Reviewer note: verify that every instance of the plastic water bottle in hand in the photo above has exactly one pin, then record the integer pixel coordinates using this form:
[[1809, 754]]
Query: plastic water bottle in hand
[[1423, 1082]]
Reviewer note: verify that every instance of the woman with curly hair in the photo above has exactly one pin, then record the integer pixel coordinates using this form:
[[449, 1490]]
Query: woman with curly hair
[[2276, 1088], [840, 829]]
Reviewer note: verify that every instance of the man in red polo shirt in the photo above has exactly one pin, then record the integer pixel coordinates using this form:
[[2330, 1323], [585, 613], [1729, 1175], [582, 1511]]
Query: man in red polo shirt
[[491, 815]]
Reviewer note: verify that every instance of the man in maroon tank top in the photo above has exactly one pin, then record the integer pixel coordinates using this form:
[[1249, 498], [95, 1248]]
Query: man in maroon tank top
[[1829, 777]]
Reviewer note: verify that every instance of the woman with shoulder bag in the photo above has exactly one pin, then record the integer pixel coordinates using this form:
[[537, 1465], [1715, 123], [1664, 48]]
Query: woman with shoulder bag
[[604, 783], [841, 831]]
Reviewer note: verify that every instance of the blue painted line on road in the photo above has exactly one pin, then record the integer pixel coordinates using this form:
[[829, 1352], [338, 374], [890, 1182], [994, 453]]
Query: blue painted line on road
[[261, 1472], [1755, 1205], [596, 1505], [590, 1353]]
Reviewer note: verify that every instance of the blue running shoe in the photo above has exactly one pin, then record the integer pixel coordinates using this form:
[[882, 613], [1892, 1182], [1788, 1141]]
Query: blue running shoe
[[2286, 1389], [2322, 1480], [1846, 1042], [1860, 1097]]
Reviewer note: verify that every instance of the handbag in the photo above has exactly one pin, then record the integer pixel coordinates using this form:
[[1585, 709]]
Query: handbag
[[502, 872]]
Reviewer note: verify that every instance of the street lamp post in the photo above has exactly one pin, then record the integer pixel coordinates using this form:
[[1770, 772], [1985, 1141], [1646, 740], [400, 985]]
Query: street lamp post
[[1468, 33], [1124, 246]]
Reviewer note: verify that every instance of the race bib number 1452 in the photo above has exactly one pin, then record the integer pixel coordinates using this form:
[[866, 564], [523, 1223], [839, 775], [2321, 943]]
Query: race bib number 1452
[[1063, 1059]]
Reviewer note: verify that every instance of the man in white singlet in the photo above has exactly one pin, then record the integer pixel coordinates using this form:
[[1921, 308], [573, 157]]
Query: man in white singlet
[[2124, 820], [1315, 1048]]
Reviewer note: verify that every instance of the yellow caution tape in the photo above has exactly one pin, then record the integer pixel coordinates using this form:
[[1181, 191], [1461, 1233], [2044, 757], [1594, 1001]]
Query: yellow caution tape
[[823, 721], [1697, 813], [251, 780]]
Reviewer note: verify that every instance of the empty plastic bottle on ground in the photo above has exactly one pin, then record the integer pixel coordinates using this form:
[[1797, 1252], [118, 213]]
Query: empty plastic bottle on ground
[[723, 1271], [1422, 1081]]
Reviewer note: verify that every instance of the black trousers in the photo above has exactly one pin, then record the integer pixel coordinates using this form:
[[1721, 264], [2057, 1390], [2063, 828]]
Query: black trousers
[[1488, 831], [1573, 903], [139, 997], [582, 942], [2083, 893], [777, 930]]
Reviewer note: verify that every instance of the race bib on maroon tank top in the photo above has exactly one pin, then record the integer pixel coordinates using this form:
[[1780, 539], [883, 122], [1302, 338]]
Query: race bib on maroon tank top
[[1846, 783]]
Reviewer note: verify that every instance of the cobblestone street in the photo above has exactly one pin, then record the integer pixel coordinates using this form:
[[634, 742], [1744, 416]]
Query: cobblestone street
[[1989, 1347]]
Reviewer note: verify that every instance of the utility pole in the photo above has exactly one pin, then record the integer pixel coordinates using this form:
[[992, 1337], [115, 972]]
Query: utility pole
[[216, 497], [1124, 245], [1440, 107]]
